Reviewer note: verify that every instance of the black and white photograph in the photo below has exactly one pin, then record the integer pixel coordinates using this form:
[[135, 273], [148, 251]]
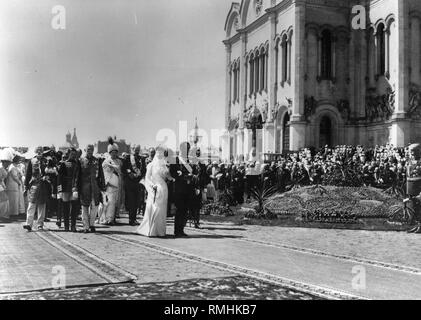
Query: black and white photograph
[[210, 151]]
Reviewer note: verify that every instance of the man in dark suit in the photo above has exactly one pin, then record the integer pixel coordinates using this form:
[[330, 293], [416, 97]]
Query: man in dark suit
[[182, 172]]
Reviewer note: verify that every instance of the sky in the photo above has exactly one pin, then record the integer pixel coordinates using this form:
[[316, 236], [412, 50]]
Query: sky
[[123, 68]]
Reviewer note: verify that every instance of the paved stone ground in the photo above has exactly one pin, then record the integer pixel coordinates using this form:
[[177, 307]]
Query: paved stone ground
[[166, 261], [158, 276], [227, 288], [392, 247]]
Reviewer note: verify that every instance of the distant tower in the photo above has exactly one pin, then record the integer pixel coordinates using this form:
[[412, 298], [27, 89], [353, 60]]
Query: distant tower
[[75, 142], [196, 138]]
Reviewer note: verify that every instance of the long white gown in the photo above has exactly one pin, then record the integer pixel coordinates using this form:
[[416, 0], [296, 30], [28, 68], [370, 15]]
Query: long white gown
[[154, 222]]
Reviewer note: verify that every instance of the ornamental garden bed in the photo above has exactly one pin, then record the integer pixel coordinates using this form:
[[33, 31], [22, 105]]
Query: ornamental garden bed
[[360, 208]]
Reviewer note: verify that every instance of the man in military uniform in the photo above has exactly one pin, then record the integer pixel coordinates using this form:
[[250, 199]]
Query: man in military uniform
[[38, 188], [134, 169], [414, 171], [184, 190], [67, 188], [91, 183], [199, 181]]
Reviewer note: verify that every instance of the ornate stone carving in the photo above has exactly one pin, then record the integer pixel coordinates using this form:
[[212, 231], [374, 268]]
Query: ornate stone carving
[[236, 24], [414, 110], [344, 109], [254, 119], [380, 107], [310, 106], [258, 7], [234, 123], [274, 111]]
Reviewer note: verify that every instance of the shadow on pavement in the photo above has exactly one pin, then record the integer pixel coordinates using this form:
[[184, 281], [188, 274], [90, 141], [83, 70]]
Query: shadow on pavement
[[168, 236], [226, 229]]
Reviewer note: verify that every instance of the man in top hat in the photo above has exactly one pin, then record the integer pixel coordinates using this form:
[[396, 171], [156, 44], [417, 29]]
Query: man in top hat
[[38, 188], [134, 169], [91, 183]]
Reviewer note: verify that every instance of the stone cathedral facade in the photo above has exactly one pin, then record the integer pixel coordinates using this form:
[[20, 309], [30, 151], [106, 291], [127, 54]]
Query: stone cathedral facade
[[299, 74]]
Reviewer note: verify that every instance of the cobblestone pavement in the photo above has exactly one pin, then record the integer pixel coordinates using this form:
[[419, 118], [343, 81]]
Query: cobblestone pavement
[[398, 248], [227, 288], [214, 257], [157, 276]]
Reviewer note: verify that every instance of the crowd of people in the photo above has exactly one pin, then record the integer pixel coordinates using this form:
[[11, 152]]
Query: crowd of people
[[98, 188]]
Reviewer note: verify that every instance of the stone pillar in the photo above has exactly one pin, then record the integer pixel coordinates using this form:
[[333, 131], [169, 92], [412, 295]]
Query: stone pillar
[[351, 67], [415, 51], [403, 44], [227, 85], [387, 53], [240, 142], [319, 56], [400, 129], [371, 52], [248, 144], [272, 85], [298, 124], [289, 60], [225, 145], [243, 78], [270, 138], [334, 41], [361, 84]]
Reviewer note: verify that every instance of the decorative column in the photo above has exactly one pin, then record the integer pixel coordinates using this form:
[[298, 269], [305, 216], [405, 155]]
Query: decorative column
[[272, 85], [371, 68], [289, 60], [227, 84], [351, 68], [400, 130], [298, 123], [415, 50], [319, 57], [243, 78], [387, 54], [334, 41], [361, 84]]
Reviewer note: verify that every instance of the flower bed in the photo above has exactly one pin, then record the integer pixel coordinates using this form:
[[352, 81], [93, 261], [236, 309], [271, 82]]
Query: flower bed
[[329, 216], [361, 202], [215, 208]]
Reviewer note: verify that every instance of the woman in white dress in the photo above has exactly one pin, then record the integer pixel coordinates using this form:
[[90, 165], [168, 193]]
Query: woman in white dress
[[154, 222]]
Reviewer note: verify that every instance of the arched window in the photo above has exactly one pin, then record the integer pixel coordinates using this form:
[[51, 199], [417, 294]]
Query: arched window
[[256, 73], [266, 71], [251, 63], [285, 58], [238, 81], [262, 70], [234, 79], [381, 49], [326, 71]]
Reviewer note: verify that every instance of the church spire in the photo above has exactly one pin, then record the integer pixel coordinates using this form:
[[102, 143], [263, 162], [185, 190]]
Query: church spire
[[75, 142]]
